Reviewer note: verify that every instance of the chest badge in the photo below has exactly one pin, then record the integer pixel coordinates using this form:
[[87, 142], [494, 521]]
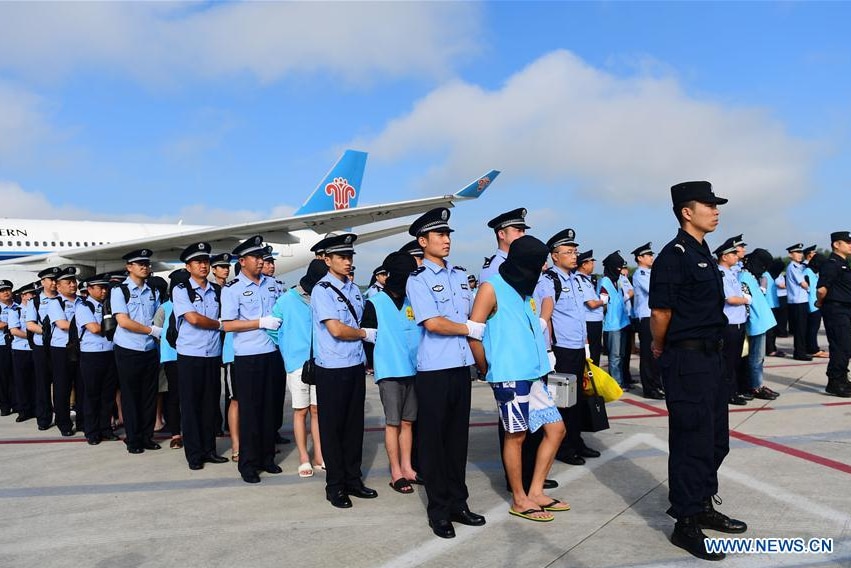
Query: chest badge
[[409, 313], [702, 265], [533, 305], [248, 293], [437, 288]]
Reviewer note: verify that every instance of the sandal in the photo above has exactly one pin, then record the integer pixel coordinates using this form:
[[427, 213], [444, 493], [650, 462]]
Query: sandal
[[556, 506], [402, 485], [527, 514], [305, 470], [320, 466], [234, 457]]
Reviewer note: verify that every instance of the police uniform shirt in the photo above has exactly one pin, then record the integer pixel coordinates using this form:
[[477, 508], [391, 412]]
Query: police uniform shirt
[[243, 299], [141, 308], [794, 277], [326, 304], [191, 340], [835, 275], [568, 319], [441, 291], [17, 320], [373, 290], [491, 266], [685, 279], [590, 293], [624, 285], [733, 289], [31, 315], [4, 317], [641, 286], [85, 314], [56, 311]]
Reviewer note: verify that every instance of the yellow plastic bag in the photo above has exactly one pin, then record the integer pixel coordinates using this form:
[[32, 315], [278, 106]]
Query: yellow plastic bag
[[607, 387]]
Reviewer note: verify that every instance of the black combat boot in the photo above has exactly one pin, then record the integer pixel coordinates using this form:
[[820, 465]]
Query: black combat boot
[[688, 536], [713, 520]]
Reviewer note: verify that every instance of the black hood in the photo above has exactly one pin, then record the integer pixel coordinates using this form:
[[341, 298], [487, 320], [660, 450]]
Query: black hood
[[612, 265], [316, 270], [399, 266], [522, 269]]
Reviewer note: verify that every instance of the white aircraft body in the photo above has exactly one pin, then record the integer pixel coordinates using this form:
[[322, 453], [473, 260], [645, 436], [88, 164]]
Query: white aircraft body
[[27, 246]]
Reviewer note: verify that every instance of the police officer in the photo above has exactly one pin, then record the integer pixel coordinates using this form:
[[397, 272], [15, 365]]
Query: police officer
[[35, 316], [736, 310], [247, 303], [834, 298], [594, 303], [220, 269], [22, 361], [376, 283], [199, 356], [7, 380], [336, 307], [98, 372], [269, 270], [414, 249], [507, 227], [741, 251], [64, 354], [133, 303], [441, 300], [687, 323], [798, 301], [648, 367]]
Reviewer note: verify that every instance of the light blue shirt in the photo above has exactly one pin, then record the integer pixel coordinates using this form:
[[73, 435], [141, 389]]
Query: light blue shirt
[[493, 267], [373, 290], [589, 293], [568, 319], [140, 308], [794, 277], [327, 304], [760, 318], [90, 342], [4, 317], [245, 300], [616, 316], [59, 337], [733, 289], [296, 328], [441, 291], [192, 340], [781, 292], [43, 305], [641, 286], [16, 319], [624, 285]]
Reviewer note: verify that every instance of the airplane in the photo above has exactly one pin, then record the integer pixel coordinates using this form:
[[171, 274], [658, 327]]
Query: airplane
[[28, 246]]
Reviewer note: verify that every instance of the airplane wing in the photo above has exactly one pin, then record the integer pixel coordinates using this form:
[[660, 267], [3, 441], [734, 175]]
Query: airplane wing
[[168, 247]]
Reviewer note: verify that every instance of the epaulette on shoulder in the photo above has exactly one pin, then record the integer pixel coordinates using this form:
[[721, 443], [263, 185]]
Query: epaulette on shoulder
[[232, 282], [182, 285], [325, 285], [488, 260], [419, 270], [461, 268], [281, 282]]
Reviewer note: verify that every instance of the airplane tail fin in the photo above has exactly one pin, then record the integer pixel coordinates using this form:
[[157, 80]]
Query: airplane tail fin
[[340, 188], [477, 186]]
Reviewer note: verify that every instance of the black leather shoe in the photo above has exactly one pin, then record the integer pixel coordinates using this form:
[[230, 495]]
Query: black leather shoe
[[654, 394], [6, 412], [43, 428], [151, 445], [688, 536], [802, 357], [713, 520], [467, 517], [216, 458], [340, 500], [109, 436], [837, 389], [746, 395], [587, 452], [196, 466], [135, 450], [737, 400], [251, 477], [273, 468], [93, 441], [362, 492], [443, 529], [574, 459], [550, 484], [67, 433], [24, 417]]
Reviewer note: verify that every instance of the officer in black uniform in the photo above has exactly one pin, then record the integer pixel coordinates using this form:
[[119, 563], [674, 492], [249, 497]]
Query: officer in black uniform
[[687, 323], [834, 298]]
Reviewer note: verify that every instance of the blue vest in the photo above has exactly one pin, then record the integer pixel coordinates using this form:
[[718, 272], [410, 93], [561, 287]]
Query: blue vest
[[227, 348], [514, 344], [167, 352], [760, 318], [812, 278], [397, 340], [771, 291], [616, 316], [295, 330]]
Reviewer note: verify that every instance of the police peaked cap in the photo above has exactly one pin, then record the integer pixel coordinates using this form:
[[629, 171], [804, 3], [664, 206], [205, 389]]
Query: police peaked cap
[[695, 191], [514, 218], [319, 248], [840, 236], [5, 284], [68, 274], [413, 248], [141, 255], [646, 248], [797, 247], [339, 244], [615, 260], [739, 241], [196, 251], [435, 220], [380, 270], [810, 249], [252, 246], [471, 278], [726, 247], [52, 272], [97, 280], [221, 259], [566, 237], [267, 254], [27, 288], [583, 256], [118, 276]]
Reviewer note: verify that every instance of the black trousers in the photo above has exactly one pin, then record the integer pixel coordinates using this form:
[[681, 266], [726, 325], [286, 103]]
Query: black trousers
[[627, 341], [648, 366], [99, 376], [813, 325], [781, 314], [22, 365], [43, 383], [595, 340], [200, 391], [734, 342], [698, 426], [771, 340], [340, 395], [443, 418], [172, 398], [837, 326], [798, 314], [257, 419], [7, 379], [572, 361], [137, 378], [65, 375]]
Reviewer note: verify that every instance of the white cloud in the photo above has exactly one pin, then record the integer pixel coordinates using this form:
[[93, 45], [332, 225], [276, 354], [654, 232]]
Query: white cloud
[[23, 122], [157, 42]]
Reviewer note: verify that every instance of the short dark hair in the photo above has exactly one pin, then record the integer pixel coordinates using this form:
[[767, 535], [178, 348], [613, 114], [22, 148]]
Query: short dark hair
[[678, 210]]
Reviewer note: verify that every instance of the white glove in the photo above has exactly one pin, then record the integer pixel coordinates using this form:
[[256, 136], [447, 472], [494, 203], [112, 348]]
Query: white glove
[[270, 322], [544, 326], [155, 332], [370, 334], [551, 357], [748, 299], [475, 330], [604, 298]]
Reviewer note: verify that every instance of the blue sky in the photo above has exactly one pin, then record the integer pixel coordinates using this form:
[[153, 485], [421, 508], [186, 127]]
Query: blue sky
[[224, 112]]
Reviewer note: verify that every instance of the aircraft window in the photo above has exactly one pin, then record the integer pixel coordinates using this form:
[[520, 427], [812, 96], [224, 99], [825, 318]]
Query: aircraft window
[[10, 243], [44, 243], [53, 243], [78, 243], [61, 243], [19, 243], [86, 243], [28, 243]]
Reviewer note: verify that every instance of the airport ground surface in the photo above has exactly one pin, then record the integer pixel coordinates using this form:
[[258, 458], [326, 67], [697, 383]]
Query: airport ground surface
[[65, 503]]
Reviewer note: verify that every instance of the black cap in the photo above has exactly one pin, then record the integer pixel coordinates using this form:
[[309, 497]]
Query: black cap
[[5, 284], [513, 218], [562, 238], [695, 191], [119, 276], [52, 272], [583, 256], [68, 274], [646, 248], [28, 288], [727, 246], [97, 280], [252, 246], [739, 241], [615, 260], [413, 248], [339, 244], [379, 270], [141, 255], [435, 220], [196, 251], [797, 247], [267, 254], [809, 249], [319, 248], [840, 236], [221, 259]]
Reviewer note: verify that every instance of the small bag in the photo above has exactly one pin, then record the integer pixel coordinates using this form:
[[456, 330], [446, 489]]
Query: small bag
[[594, 417], [604, 384], [308, 371]]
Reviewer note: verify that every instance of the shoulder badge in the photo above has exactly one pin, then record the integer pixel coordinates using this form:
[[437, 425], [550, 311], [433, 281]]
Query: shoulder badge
[[231, 283], [325, 285], [419, 270], [461, 268], [488, 260], [182, 285]]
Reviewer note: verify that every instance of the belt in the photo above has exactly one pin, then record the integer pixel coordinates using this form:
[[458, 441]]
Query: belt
[[705, 345], [736, 325]]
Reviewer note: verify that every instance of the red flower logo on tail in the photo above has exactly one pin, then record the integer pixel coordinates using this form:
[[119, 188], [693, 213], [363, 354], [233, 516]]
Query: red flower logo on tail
[[342, 192]]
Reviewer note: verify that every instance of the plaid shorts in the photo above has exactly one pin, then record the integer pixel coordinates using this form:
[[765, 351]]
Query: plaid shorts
[[524, 405]]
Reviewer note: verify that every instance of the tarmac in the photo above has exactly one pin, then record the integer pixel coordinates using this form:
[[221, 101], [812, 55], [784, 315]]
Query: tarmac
[[788, 475]]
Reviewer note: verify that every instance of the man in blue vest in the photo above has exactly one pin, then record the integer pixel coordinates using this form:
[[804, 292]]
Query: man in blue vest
[[616, 321], [760, 320], [798, 301]]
